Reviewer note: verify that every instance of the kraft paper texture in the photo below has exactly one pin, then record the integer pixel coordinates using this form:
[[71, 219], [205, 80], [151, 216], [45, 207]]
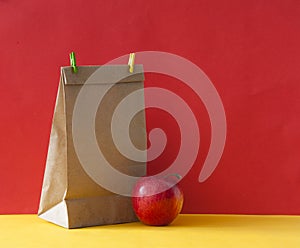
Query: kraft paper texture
[[70, 198]]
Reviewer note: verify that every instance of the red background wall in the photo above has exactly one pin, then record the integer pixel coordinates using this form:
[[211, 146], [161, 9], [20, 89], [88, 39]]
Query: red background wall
[[249, 49]]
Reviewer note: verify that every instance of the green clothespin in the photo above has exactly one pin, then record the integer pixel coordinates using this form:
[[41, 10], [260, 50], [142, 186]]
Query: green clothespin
[[73, 62]]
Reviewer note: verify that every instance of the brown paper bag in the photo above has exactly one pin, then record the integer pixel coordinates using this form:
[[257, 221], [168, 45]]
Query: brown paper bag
[[70, 198]]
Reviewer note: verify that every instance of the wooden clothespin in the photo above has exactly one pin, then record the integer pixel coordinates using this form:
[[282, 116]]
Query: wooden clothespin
[[131, 62]]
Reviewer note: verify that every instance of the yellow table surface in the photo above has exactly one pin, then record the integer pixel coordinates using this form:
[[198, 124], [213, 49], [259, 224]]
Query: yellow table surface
[[186, 231]]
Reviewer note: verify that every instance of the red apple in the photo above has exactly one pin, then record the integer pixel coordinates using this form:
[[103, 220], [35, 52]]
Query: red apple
[[156, 202]]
